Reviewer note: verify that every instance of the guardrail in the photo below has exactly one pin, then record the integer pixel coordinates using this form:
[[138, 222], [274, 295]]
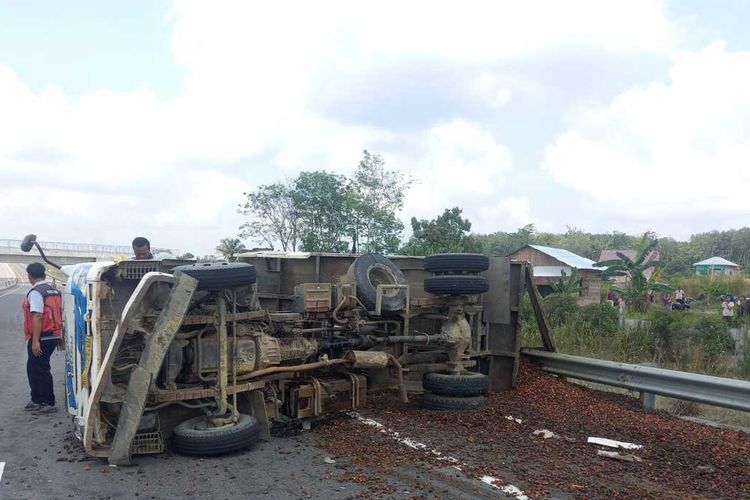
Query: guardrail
[[56, 248], [716, 391], [8, 282]]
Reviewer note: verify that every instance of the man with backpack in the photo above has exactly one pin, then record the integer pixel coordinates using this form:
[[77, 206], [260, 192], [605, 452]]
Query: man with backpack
[[42, 325]]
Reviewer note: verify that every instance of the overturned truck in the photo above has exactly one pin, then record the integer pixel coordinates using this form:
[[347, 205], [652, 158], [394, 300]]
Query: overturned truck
[[208, 357]]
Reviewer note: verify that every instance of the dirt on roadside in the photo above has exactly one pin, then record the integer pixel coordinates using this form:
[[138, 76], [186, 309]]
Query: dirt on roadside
[[679, 459]]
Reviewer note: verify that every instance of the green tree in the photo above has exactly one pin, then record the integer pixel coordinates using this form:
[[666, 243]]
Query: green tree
[[187, 256], [502, 243], [634, 270], [273, 216], [323, 204], [446, 233], [677, 257], [374, 196], [229, 247]]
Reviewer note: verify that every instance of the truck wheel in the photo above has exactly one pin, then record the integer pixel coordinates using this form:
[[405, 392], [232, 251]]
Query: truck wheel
[[193, 437], [434, 401], [456, 284], [456, 263], [370, 270], [449, 384], [219, 275]]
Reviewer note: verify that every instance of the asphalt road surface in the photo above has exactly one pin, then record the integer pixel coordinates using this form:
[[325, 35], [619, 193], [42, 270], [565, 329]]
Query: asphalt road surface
[[42, 459]]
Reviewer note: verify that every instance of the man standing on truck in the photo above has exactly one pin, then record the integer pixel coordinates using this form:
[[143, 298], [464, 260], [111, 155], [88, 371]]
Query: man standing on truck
[[42, 327], [142, 249]]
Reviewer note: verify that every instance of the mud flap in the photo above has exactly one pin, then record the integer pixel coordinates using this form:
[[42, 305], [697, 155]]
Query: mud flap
[[157, 344]]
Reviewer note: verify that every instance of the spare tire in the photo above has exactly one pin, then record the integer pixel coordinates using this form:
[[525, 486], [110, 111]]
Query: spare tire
[[218, 275], [192, 438], [456, 263], [449, 384], [438, 402], [370, 270], [456, 284]]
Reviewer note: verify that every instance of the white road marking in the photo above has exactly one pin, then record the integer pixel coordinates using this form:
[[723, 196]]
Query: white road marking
[[508, 489], [2, 468]]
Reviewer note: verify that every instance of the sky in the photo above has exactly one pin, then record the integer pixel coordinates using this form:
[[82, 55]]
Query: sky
[[152, 118]]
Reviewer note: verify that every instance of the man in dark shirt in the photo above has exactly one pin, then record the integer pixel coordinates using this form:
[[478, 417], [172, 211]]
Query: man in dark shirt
[[142, 249]]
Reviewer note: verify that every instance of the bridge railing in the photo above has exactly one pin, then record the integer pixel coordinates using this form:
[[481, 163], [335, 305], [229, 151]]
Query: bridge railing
[[13, 247], [7, 282]]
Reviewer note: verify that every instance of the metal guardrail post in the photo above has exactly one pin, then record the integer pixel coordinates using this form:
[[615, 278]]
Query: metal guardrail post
[[648, 399], [717, 391]]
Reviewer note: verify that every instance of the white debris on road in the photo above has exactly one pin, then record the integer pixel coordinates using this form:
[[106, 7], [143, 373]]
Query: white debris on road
[[546, 433], [629, 457], [508, 489], [614, 444], [513, 419]]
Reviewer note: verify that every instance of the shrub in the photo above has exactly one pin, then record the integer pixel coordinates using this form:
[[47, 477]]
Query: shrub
[[603, 318], [711, 331], [744, 362], [559, 307], [660, 322]]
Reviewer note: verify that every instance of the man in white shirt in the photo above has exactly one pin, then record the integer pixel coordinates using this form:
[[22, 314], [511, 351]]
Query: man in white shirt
[[727, 310], [42, 325]]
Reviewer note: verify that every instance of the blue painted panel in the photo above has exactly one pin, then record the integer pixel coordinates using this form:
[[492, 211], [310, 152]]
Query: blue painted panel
[[78, 290]]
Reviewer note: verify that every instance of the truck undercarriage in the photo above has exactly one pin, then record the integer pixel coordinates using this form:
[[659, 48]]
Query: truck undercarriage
[[207, 356]]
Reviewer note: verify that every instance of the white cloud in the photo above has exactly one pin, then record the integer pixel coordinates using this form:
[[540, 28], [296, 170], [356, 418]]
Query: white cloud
[[117, 160], [453, 163], [668, 150], [506, 215]]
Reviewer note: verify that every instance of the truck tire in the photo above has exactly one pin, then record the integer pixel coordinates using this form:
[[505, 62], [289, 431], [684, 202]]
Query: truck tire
[[219, 275], [456, 263], [456, 284], [190, 438], [449, 384], [434, 401], [370, 270]]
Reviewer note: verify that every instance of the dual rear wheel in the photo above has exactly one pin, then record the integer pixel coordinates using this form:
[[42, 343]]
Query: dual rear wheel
[[448, 391], [456, 274]]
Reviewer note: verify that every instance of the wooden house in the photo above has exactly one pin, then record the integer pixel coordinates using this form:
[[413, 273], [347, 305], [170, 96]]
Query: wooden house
[[549, 263]]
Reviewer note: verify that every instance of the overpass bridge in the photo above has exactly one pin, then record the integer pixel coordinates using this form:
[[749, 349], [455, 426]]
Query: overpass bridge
[[68, 253]]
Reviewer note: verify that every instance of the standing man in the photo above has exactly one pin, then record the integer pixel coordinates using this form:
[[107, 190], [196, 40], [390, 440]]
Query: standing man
[[142, 249], [727, 309], [42, 325]]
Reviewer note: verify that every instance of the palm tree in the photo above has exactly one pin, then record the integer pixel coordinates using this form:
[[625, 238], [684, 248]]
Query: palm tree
[[229, 247], [637, 283]]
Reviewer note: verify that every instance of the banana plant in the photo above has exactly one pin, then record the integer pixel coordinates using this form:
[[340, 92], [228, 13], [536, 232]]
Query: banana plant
[[570, 285], [634, 270]]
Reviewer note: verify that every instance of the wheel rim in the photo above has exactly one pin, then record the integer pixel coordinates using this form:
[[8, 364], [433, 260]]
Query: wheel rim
[[379, 274], [203, 425]]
